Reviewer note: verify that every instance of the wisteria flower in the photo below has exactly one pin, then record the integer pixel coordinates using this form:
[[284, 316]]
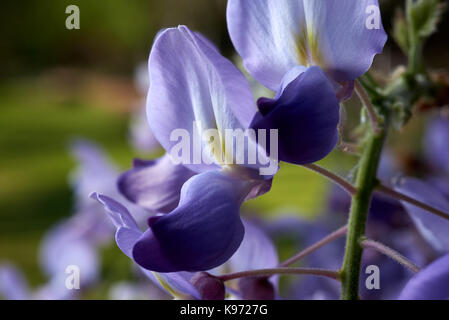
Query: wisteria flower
[[310, 53], [255, 251], [194, 89], [274, 36]]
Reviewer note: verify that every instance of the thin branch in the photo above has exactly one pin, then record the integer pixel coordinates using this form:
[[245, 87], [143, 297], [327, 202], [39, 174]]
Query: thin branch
[[347, 186], [396, 256], [269, 272], [368, 105], [328, 239], [399, 196]]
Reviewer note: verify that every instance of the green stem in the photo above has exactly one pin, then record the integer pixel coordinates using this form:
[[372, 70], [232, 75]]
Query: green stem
[[366, 182]]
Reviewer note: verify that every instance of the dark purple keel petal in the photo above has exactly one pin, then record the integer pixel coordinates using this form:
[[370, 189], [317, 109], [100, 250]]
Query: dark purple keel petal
[[202, 233], [306, 114], [154, 185], [431, 283]]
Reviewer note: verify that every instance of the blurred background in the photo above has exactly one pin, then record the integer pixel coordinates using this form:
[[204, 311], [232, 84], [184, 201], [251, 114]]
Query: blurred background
[[58, 85]]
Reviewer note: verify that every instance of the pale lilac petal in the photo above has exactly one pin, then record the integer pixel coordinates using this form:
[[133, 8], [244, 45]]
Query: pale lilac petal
[[274, 36], [433, 228], [192, 85], [256, 251], [338, 32], [265, 33]]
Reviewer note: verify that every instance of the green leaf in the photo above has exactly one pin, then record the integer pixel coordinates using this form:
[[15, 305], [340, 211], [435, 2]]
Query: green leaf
[[400, 31], [423, 17]]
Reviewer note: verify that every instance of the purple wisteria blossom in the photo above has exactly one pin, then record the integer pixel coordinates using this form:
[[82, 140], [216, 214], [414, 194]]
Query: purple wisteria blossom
[[193, 89], [310, 53], [255, 251], [431, 283], [274, 36]]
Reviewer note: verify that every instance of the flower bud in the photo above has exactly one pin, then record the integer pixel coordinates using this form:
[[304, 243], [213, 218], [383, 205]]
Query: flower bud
[[209, 286], [256, 288]]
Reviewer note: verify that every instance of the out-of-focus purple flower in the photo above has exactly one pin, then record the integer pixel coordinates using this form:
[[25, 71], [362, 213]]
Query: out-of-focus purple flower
[[69, 244], [435, 143], [142, 138], [306, 113], [297, 234], [431, 283], [12, 284], [94, 172], [433, 228], [384, 211], [393, 276], [441, 183], [274, 36]]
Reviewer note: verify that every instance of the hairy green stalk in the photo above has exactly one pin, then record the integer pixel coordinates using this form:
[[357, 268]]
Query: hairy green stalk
[[366, 183]]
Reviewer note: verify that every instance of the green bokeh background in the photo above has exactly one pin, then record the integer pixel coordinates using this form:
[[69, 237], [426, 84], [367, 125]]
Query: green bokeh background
[[58, 84]]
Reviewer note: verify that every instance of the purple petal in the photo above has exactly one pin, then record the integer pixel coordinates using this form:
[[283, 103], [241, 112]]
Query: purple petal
[[64, 245], [179, 282], [94, 173], [265, 34], [338, 31], [192, 85], [127, 230], [274, 36], [306, 113], [126, 237], [154, 185], [142, 138], [431, 283], [12, 284], [256, 251], [433, 228], [436, 143], [202, 233]]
